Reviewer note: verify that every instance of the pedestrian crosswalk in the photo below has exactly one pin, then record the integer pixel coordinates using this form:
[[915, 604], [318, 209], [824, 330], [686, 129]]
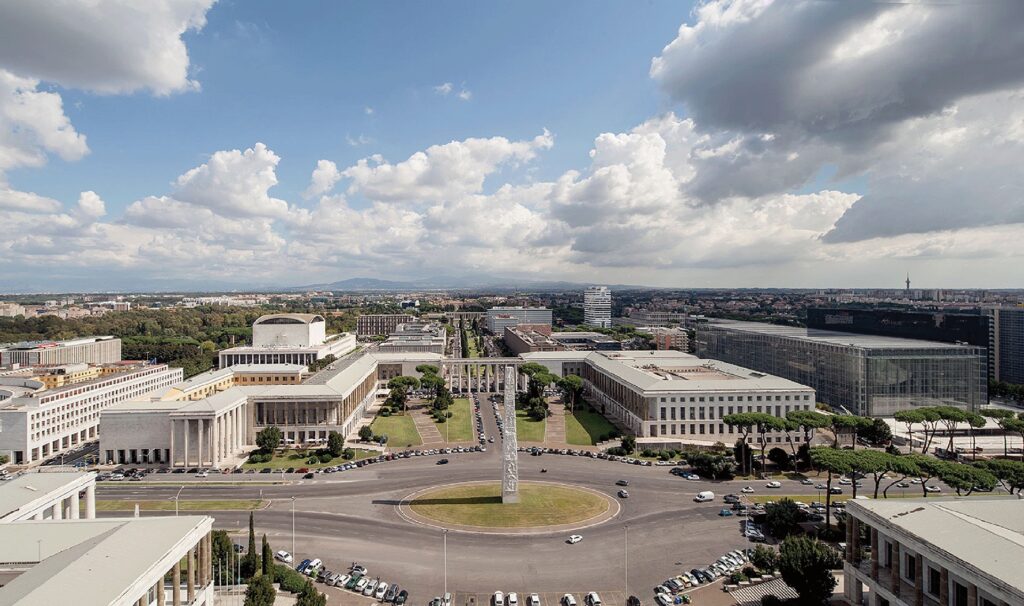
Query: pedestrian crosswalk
[[752, 595]]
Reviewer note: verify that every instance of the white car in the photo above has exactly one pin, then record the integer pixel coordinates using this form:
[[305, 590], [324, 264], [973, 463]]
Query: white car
[[807, 482], [568, 600], [382, 588], [283, 556], [573, 539], [498, 598], [203, 474], [593, 599], [533, 600], [747, 489], [773, 484], [513, 599], [446, 599], [932, 489], [370, 587], [845, 481]]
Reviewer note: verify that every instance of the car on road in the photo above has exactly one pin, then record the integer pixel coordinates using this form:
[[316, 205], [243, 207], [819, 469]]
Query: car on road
[[932, 489], [694, 477], [592, 599], [568, 600], [807, 482], [309, 475], [623, 494], [498, 599], [747, 489], [836, 490], [704, 496], [283, 556], [902, 485], [381, 591], [401, 597], [533, 600], [773, 484], [575, 538], [622, 483], [725, 513], [845, 481], [442, 461]]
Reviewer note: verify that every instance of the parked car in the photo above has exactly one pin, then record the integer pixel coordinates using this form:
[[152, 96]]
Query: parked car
[[498, 599], [401, 597], [725, 513], [533, 600], [513, 599], [568, 600], [392, 593], [370, 587], [592, 599], [361, 584], [302, 565], [283, 556], [381, 591]]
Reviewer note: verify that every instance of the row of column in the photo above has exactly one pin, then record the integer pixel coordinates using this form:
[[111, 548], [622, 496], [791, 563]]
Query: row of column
[[215, 438], [198, 573], [68, 507], [480, 376]]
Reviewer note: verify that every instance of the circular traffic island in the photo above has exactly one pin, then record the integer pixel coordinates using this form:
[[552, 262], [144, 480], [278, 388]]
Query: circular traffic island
[[477, 506]]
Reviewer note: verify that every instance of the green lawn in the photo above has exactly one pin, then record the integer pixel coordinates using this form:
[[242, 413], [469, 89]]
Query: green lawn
[[400, 430], [480, 505], [585, 427], [459, 428], [298, 458], [183, 505], [471, 343], [528, 430]]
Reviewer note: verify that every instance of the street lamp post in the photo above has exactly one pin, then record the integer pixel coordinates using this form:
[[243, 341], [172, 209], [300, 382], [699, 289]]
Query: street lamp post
[[626, 570], [446, 560], [176, 500], [293, 528]]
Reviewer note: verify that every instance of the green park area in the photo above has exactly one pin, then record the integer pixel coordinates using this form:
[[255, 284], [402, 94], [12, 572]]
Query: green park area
[[301, 458], [480, 505], [471, 346], [458, 428], [399, 428], [528, 430], [182, 505], [586, 428]]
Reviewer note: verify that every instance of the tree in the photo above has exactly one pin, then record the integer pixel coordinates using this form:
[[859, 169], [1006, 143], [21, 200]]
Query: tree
[[974, 421], [629, 444], [260, 592], [847, 424], [901, 466], [224, 557], [745, 423], [928, 468], [877, 433], [808, 421], [572, 387], [950, 416], [806, 565], [1000, 415], [268, 438], [710, 465], [309, 596], [782, 518], [268, 557], [779, 457], [400, 387], [251, 561], [764, 558], [966, 478], [909, 418], [741, 451], [872, 462], [365, 433], [335, 444], [835, 462], [1010, 474]]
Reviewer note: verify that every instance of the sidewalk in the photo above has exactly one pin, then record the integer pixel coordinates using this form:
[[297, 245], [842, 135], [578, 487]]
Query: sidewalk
[[554, 432], [429, 433]]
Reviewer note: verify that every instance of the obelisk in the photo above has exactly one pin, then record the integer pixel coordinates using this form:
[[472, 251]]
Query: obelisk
[[510, 446]]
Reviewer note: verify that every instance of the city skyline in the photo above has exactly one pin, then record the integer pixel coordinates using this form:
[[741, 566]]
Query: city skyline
[[242, 146]]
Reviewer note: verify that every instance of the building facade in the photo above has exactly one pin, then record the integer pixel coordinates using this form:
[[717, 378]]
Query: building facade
[[93, 350], [585, 341], [521, 340], [37, 424], [337, 345], [48, 496], [1008, 325], [865, 374], [426, 337], [498, 318], [380, 325], [597, 306], [670, 338], [934, 552]]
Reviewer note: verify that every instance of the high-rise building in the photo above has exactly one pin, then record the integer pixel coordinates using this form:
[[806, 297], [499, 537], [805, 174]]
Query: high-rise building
[[1008, 325], [867, 375], [597, 306]]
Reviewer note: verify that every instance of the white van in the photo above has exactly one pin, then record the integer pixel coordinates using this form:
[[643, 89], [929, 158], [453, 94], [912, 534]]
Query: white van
[[704, 497]]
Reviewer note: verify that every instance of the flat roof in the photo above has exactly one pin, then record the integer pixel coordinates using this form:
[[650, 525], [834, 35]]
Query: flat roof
[[28, 487], [834, 337], [258, 368], [984, 534], [96, 561], [34, 345]]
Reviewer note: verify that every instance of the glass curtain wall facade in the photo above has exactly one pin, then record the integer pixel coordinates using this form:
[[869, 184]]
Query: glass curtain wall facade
[[870, 381]]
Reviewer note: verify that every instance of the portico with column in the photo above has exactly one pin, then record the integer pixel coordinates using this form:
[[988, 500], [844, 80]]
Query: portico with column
[[204, 435]]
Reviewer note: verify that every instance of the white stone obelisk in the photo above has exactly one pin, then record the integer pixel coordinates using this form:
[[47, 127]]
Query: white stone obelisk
[[510, 447]]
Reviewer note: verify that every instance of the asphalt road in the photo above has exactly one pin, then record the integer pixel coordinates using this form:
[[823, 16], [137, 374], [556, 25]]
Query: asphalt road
[[351, 517]]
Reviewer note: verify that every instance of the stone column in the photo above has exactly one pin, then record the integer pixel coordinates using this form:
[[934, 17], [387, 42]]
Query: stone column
[[90, 502], [190, 575], [848, 554], [209, 557], [918, 580], [875, 550], [38, 516], [74, 505], [894, 571], [856, 540], [158, 593], [972, 594], [943, 587], [176, 584], [188, 426], [58, 510], [171, 456]]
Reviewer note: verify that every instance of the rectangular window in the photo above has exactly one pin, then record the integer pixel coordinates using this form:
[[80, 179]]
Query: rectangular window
[[702, 430], [663, 411], [673, 413], [673, 426], [910, 567], [934, 581]]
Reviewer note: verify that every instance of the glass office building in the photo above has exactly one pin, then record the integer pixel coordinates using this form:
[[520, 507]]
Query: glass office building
[[864, 374]]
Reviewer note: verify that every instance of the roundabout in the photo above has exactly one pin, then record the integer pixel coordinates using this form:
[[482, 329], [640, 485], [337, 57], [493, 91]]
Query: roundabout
[[477, 507]]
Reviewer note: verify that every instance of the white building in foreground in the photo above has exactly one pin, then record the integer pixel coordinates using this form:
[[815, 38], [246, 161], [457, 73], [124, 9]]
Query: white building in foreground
[[157, 561], [935, 552], [48, 496]]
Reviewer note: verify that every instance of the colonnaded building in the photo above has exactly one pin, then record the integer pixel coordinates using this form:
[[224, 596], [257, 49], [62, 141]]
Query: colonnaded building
[[289, 339], [665, 398]]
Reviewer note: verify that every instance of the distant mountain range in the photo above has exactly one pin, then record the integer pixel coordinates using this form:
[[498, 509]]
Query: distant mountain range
[[453, 283]]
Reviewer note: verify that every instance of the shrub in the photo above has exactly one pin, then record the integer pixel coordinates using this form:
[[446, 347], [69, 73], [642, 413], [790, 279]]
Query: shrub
[[348, 454], [665, 455], [750, 571], [617, 451], [771, 600], [736, 577], [385, 412], [325, 457], [647, 452], [289, 579], [313, 460], [614, 434], [603, 438]]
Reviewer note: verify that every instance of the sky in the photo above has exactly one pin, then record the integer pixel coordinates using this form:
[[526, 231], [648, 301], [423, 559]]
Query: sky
[[729, 143]]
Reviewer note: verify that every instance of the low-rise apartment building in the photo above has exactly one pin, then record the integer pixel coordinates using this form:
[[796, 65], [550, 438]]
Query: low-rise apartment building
[[380, 325]]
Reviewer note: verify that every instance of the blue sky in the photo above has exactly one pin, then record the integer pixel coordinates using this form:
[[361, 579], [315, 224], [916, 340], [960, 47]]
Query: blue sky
[[194, 143], [300, 80]]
